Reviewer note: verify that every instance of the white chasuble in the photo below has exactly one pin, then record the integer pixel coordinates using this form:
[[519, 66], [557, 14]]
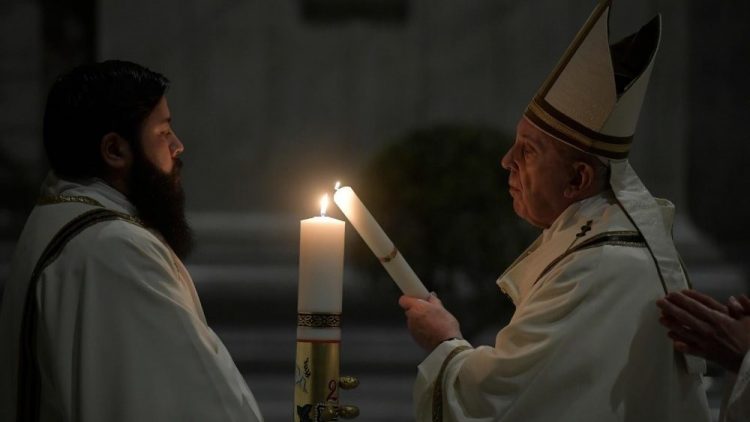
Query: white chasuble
[[737, 404], [120, 332], [584, 343]]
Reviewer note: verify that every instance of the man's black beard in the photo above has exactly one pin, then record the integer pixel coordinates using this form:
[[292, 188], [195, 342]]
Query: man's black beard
[[160, 201]]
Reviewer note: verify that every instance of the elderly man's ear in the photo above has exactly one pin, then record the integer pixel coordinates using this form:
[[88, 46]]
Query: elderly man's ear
[[582, 183], [115, 152]]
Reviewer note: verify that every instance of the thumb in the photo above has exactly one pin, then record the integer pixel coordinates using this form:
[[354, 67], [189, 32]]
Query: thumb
[[406, 302]]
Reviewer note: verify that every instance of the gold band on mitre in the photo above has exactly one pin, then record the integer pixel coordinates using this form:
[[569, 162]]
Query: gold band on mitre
[[556, 124]]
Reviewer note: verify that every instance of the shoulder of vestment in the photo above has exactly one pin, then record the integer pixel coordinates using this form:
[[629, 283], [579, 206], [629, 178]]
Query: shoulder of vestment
[[609, 227], [114, 236]]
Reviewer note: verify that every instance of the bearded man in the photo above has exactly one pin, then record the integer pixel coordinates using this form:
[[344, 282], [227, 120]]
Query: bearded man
[[100, 319], [584, 343]]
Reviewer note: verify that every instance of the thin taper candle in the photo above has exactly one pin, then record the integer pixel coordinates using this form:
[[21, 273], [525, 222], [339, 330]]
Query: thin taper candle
[[379, 243]]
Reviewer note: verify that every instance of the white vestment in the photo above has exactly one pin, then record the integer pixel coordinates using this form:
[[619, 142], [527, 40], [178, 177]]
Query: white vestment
[[737, 404], [584, 343], [121, 334]]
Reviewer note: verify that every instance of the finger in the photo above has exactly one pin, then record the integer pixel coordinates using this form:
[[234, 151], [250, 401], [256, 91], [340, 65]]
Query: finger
[[669, 322], [415, 318], [662, 303], [685, 318], [745, 302], [687, 343], [407, 302], [706, 300], [735, 308], [434, 299], [684, 347], [697, 309]]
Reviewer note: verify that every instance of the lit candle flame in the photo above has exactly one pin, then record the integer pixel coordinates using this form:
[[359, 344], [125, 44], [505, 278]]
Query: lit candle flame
[[323, 205], [337, 186]]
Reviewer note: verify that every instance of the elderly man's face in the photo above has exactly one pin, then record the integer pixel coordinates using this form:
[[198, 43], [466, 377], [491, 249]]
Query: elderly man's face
[[539, 174]]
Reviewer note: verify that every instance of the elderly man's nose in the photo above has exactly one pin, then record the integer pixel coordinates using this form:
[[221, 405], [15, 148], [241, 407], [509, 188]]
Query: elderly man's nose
[[507, 161]]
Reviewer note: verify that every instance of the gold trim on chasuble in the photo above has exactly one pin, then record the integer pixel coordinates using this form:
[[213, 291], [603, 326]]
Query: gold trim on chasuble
[[61, 199], [437, 392], [618, 238], [66, 199]]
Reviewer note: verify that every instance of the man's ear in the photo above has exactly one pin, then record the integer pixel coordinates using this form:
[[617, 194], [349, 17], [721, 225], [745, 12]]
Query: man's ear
[[115, 151], [581, 181]]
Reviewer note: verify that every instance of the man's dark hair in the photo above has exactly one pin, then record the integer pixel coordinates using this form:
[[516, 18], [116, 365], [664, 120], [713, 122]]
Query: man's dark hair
[[91, 101]]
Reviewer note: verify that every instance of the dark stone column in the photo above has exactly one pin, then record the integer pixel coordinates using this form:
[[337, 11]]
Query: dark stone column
[[69, 34], [718, 173]]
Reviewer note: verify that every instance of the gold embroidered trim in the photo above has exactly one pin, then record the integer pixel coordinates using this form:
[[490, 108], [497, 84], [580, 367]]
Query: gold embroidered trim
[[574, 134], [59, 199], [617, 238], [129, 218], [437, 392], [62, 199], [390, 256], [318, 320], [610, 235]]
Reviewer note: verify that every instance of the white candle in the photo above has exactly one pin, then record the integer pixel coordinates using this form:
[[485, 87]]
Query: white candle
[[379, 243], [321, 269]]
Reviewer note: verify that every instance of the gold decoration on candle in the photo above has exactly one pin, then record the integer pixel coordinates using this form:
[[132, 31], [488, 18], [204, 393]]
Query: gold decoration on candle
[[316, 394], [390, 256], [348, 382], [348, 412], [318, 320]]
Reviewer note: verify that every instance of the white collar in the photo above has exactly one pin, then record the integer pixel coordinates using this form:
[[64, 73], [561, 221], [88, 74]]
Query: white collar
[[93, 188], [583, 209]]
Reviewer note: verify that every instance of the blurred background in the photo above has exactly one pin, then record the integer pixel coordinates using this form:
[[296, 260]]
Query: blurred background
[[412, 103]]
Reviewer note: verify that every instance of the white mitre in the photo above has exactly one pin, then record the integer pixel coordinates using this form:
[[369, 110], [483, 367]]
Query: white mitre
[[591, 101]]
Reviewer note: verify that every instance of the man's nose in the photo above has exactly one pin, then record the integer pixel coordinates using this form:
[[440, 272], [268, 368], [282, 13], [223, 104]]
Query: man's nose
[[507, 161], [176, 146]]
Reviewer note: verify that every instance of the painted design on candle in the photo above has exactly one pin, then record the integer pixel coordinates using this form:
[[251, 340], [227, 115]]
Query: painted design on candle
[[378, 242]]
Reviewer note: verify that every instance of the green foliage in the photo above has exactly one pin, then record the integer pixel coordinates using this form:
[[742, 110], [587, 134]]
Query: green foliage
[[441, 195]]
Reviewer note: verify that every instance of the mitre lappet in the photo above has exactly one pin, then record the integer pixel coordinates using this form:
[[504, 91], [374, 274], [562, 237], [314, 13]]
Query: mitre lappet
[[591, 101]]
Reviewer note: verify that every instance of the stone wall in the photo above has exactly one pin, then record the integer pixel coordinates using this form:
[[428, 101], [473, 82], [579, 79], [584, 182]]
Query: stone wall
[[274, 107], [21, 93]]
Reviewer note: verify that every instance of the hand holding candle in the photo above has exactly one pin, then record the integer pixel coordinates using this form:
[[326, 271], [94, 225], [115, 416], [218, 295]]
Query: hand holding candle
[[379, 243]]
